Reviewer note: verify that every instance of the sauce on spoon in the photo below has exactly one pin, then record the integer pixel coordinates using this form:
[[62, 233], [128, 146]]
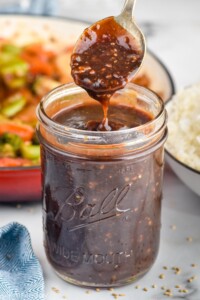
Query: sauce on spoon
[[104, 59]]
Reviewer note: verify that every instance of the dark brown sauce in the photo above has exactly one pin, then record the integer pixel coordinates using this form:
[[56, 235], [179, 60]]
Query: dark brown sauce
[[89, 117], [104, 60]]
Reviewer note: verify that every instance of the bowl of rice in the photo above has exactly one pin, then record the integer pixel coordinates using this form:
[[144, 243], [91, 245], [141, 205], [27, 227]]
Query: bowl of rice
[[182, 148]]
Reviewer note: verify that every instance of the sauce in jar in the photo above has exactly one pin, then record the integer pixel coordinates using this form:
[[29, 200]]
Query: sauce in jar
[[102, 190], [88, 117]]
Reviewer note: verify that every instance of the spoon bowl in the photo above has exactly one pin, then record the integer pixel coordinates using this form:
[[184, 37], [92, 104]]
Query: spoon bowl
[[108, 54]]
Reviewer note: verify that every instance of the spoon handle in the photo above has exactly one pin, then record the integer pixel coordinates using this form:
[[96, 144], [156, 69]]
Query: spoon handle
[[127, 10]]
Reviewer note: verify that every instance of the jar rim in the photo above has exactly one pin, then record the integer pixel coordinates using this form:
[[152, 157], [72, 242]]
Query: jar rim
[[103, 137]]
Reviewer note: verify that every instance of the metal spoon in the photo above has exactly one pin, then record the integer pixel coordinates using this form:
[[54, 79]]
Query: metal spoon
[[108, 54], [126, 20]]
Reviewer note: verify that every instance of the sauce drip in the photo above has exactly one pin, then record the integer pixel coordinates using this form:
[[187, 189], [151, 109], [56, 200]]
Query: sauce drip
[[88, 117], [104, 60]]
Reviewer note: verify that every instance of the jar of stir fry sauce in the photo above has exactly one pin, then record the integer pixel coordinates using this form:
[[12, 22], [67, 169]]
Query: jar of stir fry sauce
[[102, 190]]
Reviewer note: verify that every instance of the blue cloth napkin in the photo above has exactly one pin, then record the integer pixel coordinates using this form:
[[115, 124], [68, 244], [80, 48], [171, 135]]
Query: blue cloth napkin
[[21, 275]]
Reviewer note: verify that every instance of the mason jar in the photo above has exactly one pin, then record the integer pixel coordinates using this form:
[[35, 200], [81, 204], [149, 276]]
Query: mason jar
[[102, 190]]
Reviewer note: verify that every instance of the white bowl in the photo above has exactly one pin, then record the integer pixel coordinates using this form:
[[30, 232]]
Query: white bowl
[[189, 176], [182, 146]]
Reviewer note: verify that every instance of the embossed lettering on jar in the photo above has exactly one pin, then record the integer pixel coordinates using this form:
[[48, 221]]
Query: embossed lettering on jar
[[101, 190]]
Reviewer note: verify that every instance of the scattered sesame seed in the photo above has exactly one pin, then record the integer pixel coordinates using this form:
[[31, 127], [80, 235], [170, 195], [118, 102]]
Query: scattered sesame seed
[[87, 292], [191, 279], [110, 289], [55, 290], [145, 289], [154, 286], [163, 288], [193, 265], [97, 290], [165, 268], [173, 227], [115, 296], [189, 239], [177, 286], [122, 295], [168, 293], [177, 270], [183, 291], [137, 286], [161, 276]]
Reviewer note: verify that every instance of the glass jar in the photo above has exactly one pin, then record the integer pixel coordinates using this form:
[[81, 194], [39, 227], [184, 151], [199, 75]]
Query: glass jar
[[101, 190]]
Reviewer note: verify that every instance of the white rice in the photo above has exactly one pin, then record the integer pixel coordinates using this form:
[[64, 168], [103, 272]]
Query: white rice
[[184, 126]]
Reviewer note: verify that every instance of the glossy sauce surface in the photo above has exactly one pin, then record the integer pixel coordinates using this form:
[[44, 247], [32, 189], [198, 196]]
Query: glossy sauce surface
[[88, 117], [104, 60]]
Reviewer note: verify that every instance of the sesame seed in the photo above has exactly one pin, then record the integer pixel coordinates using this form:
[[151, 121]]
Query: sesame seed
[[165, 268], [167, 293], [191, 279], [97, 290], [145, 289], [177, 270], [154, 286], [115, 296], [122, 295], [110, 289], [177, 286], [87, 292], [161, 276], [137, 286], [183, 291], [173, 227], [193, 265], [163, 288], [189, 239], [55, 290]]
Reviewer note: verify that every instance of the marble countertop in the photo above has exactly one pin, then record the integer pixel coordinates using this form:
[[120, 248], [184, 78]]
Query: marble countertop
[[172, 29]]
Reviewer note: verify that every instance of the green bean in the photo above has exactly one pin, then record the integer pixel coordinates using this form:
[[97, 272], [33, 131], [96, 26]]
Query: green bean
[[13, 105], [30, 151]]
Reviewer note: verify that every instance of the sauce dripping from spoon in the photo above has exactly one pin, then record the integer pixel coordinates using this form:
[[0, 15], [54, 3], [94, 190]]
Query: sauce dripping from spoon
[[104, 59]]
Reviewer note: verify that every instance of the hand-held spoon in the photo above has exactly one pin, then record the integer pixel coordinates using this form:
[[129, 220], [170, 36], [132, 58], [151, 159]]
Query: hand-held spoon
[[108, 54]]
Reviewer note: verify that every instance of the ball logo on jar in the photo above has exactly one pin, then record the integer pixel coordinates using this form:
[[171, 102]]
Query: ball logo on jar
[[77, 208]]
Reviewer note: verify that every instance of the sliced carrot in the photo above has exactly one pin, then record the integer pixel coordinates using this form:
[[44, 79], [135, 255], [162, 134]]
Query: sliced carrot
[[38, 65], [27, 115], [39, 59], [38, 50], [25, 131], [14, 162]]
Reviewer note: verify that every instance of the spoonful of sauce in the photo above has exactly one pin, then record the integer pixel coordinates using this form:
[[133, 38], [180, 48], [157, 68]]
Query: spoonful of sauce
[[107, 56]]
